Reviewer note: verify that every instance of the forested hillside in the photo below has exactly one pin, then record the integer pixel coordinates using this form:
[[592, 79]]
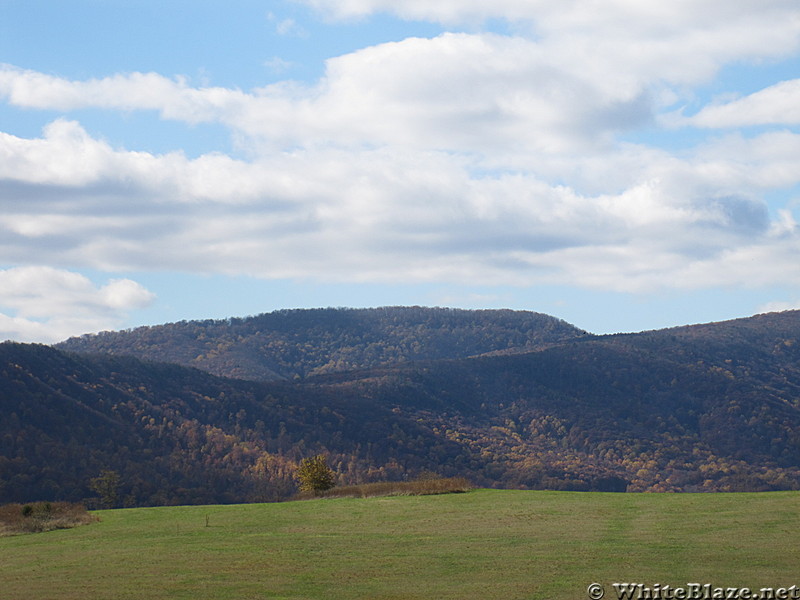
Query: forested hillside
[[704, 408], [655, 410], [178, 435], [288, 344]]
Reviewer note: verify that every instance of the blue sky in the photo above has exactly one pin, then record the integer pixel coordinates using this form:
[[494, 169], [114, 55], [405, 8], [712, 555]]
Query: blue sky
[[621, 165]]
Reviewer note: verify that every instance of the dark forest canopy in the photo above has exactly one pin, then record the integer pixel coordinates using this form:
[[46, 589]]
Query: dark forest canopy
[[711, 407], [298, 343]]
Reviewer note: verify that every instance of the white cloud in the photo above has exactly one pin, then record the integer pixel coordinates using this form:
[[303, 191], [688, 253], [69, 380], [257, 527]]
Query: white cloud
[[476, 93], [173, 98], [778, 306], [276, 64], [287, 26], [575, 13], [359, 216], [573, 85], [291, 27], [52, 304], [776, 105], [466, 157]]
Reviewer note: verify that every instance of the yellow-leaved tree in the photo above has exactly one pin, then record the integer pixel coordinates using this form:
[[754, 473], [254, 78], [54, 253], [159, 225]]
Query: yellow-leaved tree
[[314, 474]]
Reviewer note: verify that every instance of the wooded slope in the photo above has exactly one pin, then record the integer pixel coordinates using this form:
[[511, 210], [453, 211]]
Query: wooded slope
[[298, 343], [702, 408]]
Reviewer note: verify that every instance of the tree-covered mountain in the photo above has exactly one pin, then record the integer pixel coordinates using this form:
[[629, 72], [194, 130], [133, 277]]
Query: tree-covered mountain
[[706, 408], [287, 344], [180, 435], [702, 408]]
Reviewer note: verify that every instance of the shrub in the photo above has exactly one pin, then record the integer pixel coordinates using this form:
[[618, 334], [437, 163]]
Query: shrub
[[314, 475], [42, 516]]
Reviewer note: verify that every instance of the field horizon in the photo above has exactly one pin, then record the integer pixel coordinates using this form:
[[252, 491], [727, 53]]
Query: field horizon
[[481, 544]]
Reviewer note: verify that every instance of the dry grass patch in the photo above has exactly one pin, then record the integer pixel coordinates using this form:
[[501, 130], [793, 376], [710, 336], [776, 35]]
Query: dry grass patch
[[419, 487], [36, 517]]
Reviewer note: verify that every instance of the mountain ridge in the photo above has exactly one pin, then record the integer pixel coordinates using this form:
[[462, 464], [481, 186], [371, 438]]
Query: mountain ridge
[[286, 344], [712, 407]]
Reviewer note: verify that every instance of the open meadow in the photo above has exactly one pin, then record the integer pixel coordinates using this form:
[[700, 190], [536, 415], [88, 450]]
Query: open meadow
[[484, 544]]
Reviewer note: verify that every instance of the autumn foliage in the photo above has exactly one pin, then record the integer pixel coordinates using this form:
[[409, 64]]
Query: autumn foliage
[[702, 408], [314, 475]]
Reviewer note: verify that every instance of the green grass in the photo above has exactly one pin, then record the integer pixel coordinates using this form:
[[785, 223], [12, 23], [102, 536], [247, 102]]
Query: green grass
[[483, 544]]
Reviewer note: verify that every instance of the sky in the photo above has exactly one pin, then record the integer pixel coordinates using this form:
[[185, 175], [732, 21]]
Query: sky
[[623, 165]]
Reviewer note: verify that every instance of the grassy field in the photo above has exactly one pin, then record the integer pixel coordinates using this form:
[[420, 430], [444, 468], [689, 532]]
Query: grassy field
[[484, 544]]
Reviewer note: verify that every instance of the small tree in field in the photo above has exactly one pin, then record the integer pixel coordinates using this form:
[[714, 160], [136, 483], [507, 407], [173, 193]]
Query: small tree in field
[[315, 475], [107, 486]]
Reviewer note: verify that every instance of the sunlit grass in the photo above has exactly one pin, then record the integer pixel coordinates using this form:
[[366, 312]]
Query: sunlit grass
[[481, 544]]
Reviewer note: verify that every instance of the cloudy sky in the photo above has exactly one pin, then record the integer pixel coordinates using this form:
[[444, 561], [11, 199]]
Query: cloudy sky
[[620, 164]]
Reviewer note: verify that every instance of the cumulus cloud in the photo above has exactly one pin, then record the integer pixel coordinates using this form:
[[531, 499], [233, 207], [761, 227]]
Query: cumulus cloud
[[479, 93], [342, 215], [172, 98], [464, 157], [644, 33], [585, 75], [49, 304]]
